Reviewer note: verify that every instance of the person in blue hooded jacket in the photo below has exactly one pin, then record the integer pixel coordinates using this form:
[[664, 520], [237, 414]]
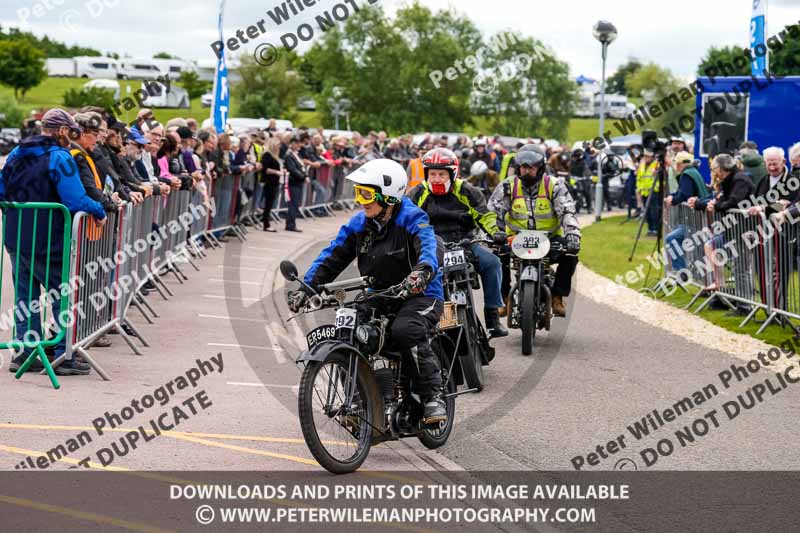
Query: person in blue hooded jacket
[[392, 241], [41, 169]]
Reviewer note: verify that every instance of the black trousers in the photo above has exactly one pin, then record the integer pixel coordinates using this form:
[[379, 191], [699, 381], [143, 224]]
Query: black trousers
[[295, 197], [410, 333], [270, 193], [565, 270]]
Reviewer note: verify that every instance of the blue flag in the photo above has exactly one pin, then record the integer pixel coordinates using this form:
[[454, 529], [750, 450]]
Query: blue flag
[[222, 94], [758, 37]]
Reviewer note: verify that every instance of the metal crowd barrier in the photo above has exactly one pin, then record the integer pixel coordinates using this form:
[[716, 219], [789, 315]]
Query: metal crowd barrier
[[45, 263], [743, 259], [225, 196]]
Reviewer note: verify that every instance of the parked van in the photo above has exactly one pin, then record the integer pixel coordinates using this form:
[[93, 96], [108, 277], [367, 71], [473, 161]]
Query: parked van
[[96, 67], [174, 67], [138, 69], [616, 105]]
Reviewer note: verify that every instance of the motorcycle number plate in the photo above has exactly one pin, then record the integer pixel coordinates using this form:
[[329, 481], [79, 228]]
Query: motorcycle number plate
[[345, 318], [530, 244], [317, 335], [454, 258], [459, 298]]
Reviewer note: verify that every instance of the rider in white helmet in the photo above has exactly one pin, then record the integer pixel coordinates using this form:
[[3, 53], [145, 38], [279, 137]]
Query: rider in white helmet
[[392, 241]]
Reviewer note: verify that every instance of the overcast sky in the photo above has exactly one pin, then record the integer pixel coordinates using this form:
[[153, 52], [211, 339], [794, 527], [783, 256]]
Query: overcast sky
[[674, 34]]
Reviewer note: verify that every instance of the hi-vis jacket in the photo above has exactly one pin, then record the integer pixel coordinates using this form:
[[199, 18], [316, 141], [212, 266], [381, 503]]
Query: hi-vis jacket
[[445, 211], [547, 206], [645, 175]]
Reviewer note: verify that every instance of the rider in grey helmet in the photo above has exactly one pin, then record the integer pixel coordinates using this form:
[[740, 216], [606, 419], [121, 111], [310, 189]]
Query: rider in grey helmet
[[534, 200]]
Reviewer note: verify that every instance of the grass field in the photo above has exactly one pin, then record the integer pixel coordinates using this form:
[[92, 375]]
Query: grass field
[[50, 93], [605, 248]]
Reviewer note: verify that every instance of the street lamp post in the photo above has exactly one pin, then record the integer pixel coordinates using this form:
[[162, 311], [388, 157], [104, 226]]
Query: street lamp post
[[605, 32], [339, 106]]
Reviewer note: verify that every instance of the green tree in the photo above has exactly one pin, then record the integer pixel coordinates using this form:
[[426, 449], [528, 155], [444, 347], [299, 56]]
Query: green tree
[[21, 66], [616, 82], [786, 61], [658, 85], [719, 58], [529, 90], [269, 91], [193, 85], [47, 46], [11, 114], [164, 55], [385, 66]]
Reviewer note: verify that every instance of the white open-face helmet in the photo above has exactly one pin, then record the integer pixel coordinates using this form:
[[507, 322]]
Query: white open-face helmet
[[388, 177], [479, 169]]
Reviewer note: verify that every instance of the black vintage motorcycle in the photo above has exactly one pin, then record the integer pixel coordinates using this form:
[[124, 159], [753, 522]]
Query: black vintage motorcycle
[[531, 294], [354, 391], [459, 278]]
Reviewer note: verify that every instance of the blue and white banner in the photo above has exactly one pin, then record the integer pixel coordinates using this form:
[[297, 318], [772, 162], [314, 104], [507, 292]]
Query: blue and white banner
[[758, 37], [222, 94]]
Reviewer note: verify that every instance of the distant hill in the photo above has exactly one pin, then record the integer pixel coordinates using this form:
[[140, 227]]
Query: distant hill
[[49, 47]]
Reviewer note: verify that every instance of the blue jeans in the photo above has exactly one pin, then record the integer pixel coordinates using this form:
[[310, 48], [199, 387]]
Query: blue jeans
[[23, 299], [491, 275], [673, 240]]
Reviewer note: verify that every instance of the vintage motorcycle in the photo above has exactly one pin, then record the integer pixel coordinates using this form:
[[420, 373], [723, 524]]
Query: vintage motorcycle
[[354, 391], [459, 278], [531, 294]]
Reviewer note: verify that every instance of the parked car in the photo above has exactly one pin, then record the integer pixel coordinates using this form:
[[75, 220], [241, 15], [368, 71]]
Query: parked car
[[207, 100], [96, 67]]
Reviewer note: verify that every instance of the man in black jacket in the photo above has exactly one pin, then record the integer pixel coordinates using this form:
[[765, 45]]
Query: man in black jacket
[[297, 179], [96, 186], [735, 188], [775, 188], [456, 209]]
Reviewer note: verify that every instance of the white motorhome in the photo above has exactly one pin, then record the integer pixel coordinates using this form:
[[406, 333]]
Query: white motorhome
[[96, 67], [243, 125], [138, 69], [585, 107], [60, 67], [616, 105], [174, 67]]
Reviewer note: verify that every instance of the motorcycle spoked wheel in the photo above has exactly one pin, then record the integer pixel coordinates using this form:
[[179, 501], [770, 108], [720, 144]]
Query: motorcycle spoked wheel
[[338, 436], [471, 360]]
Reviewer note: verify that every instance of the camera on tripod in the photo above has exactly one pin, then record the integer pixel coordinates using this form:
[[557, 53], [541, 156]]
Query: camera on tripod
[[650, 141]]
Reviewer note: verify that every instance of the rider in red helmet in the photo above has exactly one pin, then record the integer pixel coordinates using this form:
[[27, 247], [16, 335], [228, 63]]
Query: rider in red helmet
[[456, 209]]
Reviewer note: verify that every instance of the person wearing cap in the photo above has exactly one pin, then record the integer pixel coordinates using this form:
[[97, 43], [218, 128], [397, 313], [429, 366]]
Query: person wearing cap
[[753, 165], [294, 185], [645, 182], [115, 138], [105, 165], [148, 164], [41, 169], [690, 185], [98, 188]]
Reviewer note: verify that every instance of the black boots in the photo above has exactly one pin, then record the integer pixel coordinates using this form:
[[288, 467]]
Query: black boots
[[493, 327]]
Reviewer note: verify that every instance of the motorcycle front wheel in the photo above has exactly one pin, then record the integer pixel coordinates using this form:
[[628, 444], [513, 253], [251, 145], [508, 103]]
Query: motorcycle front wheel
[[528, 316], [335, 412]]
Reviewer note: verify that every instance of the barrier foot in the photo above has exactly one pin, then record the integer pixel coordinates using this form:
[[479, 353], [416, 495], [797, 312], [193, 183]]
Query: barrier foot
[[93, 364], [238, 233], [135, 304], [136, 331], [749, 317], [704, 304], [177, 270], [48, 368], [197, 248], [188, 255], [158, 281], [213, 240], [141, 299], [693, 300], [767, 322], [126, 338]]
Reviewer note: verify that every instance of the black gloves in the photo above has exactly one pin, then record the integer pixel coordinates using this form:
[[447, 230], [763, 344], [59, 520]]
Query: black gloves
[[296, 300], [418, 279], [573, 244], [500, 238], [466, 220]]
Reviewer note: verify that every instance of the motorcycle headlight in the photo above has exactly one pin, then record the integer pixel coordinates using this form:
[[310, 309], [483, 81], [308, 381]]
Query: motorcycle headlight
[[362, 334]]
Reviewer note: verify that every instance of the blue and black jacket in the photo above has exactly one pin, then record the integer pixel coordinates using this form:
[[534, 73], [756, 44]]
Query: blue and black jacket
[[389, 254], [40, 170]]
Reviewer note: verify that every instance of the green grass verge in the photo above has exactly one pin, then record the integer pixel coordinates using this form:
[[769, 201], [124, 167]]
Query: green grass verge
[[605, 248]]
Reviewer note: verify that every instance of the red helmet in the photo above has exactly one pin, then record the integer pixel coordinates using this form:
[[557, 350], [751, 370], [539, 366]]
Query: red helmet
[[441, 158]]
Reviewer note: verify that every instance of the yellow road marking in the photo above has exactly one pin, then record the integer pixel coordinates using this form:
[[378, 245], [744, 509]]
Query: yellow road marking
[[215, 444], [82, 515]]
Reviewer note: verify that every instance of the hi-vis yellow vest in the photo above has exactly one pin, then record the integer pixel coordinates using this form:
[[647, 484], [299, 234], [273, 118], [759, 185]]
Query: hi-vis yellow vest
[[517, 217], [645, 177]]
